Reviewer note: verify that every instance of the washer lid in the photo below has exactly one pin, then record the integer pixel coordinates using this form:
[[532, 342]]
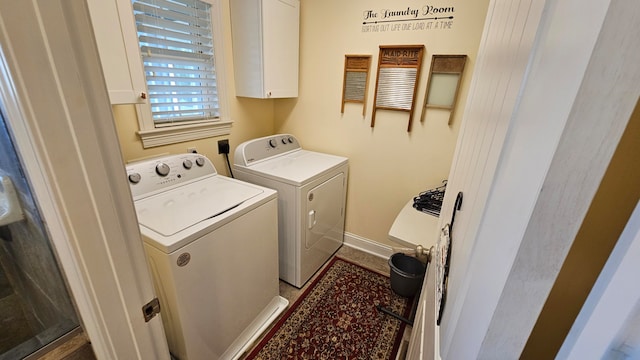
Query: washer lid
[[298, 167], [172, 211]]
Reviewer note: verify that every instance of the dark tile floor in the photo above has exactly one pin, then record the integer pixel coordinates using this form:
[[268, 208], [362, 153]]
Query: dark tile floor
[[14, 328], [16, 333]]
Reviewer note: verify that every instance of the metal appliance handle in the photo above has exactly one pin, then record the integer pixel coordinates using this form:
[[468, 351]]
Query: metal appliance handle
[[311, 219]]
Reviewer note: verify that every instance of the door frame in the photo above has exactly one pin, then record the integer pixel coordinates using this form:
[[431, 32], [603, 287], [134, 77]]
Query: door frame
[[56, 105], [612, 304]]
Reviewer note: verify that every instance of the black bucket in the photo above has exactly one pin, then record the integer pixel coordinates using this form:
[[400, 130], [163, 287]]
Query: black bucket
[[407, 274]]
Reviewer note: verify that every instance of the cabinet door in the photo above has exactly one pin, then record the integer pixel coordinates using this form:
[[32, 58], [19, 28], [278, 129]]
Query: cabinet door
[[281, 38], [116, 37]]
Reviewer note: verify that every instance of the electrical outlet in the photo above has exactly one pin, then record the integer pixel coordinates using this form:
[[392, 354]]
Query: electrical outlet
[[223, 146], [192, 150]]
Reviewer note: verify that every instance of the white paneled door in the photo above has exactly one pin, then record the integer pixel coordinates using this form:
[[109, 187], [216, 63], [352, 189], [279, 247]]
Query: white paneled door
[[57, 109], [552, 91]]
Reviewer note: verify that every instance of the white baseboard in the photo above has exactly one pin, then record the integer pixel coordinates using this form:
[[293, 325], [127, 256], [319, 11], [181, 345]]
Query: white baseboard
[[367, 245]]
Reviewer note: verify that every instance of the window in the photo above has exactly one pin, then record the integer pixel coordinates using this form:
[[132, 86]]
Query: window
[[178, 40]]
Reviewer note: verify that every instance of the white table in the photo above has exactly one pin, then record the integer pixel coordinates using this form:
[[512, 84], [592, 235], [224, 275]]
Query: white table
[[412, 227]]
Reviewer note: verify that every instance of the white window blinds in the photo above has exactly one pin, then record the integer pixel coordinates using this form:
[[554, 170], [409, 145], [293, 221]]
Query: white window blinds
[[176, 43]]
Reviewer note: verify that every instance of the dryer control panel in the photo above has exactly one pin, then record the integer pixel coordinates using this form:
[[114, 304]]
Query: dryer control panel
[[149, 177], [255, 150]]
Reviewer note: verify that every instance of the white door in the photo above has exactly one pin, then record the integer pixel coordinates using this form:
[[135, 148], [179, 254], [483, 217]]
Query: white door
[[541, 123], [57, 109]]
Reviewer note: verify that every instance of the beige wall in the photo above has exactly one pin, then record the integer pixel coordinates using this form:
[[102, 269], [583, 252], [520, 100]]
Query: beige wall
[[388, 165]]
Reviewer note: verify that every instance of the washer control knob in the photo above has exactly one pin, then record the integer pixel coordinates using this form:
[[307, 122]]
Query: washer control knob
[[187, 164], [163, 169], [290, 139], [200, 161], [284, 141], [273, 143], [135, 178]]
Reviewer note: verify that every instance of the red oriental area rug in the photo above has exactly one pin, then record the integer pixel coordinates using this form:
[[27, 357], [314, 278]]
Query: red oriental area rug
[[336, 318]]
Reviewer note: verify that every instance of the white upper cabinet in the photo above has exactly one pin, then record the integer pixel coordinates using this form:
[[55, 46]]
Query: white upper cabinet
[[266, 37], [117, 39]]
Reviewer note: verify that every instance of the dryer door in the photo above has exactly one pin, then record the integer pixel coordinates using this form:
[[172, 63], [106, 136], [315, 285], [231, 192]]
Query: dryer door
[[325, 214]]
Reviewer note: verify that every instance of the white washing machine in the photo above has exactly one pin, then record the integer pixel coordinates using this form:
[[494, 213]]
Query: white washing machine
[[212, 246], [312, 190]]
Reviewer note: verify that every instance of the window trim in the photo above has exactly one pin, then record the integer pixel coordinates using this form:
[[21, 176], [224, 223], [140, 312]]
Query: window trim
[[152, 136]]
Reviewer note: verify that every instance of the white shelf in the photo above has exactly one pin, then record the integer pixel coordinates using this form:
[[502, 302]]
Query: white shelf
[[412, 227]]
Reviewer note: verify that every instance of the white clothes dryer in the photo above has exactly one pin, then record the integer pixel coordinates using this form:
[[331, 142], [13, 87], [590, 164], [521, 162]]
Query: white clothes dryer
[[312, 190], [211, 244]]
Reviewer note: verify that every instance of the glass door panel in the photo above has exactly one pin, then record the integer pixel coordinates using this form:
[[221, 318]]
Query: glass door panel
[[35, 307]]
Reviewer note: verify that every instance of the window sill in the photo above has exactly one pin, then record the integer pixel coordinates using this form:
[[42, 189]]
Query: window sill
[[176, 134]]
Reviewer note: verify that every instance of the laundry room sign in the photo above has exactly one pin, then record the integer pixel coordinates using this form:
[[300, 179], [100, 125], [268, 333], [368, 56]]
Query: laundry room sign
[[427, 17]]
